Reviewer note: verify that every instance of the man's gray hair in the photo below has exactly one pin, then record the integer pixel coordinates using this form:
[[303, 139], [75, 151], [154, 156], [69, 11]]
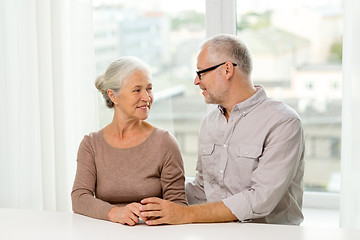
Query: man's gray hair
[[225, 47]]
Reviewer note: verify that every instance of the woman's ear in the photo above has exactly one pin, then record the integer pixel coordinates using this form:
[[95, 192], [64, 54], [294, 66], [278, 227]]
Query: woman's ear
[[111, 95]]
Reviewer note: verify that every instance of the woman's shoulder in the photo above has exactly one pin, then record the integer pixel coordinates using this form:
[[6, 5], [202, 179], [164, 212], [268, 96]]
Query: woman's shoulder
[[166, 138], [89, 142], [160, 132], [94, 135], [92, 138]]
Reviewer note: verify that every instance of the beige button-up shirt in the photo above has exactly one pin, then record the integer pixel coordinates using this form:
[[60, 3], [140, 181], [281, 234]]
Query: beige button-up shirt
[[254, 162]]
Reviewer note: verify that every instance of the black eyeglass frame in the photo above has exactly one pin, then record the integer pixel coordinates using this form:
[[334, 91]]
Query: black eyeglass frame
[[211, 68]]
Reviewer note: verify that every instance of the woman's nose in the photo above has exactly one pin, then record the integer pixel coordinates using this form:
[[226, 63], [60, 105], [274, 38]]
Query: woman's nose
[[146, 96]]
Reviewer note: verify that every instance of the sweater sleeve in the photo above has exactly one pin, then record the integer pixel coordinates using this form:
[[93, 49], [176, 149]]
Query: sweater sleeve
[[83, 193], [172, 173]]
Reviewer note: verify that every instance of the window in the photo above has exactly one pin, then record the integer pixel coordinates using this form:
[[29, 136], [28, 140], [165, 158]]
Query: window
[[296, 48], [166, 35], [299, 63]]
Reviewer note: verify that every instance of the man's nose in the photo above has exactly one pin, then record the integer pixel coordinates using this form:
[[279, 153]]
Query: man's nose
[[196, 80]]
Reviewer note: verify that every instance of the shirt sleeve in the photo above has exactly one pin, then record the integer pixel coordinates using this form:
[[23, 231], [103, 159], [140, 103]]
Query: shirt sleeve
[[172, 172], [83, 193], [282, 154], [195, 189]]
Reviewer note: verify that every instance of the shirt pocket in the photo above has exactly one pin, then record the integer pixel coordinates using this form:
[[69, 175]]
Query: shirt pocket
[[247, 160], [206, 152], [249, 151]]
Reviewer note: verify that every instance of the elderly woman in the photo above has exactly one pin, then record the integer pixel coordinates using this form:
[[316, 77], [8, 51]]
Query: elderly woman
[[129, 159]]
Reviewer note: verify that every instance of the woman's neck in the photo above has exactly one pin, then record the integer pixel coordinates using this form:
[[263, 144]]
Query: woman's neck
[[124, 127]]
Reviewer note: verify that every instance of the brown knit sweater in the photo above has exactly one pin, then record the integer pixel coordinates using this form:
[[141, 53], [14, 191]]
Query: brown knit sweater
[[107, 176]]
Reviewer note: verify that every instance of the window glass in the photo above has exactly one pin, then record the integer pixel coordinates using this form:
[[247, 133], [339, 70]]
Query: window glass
[[166, 35], [297, 52]]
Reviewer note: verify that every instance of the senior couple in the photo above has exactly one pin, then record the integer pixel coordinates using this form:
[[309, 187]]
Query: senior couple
[[250, 163]]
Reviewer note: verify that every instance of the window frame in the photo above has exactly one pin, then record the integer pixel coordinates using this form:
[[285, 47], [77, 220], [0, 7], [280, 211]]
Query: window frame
[[220, 17]]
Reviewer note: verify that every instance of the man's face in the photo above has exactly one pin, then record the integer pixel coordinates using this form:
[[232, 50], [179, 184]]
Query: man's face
[[211, 81]]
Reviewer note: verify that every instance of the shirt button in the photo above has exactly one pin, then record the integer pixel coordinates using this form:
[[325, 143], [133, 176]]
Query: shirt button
[[244, 113], [225, 146], [221, 171]]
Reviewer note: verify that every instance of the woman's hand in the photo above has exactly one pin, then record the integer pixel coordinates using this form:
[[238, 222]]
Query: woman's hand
[[125, 215]]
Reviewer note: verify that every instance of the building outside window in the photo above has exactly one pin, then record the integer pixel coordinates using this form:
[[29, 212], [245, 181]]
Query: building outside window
[[296, 48]]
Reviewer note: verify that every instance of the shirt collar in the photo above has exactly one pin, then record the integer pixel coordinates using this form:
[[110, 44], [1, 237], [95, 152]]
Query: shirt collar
[[249, 104]]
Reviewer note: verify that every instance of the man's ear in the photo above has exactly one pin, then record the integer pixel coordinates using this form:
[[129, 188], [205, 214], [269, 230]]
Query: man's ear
[[229, 70]]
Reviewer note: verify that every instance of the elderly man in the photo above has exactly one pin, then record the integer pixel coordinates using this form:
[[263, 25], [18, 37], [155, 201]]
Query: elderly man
[[251, 149]]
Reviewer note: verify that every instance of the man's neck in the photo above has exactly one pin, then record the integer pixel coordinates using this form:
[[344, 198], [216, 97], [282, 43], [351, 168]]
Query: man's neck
[[236, 97]]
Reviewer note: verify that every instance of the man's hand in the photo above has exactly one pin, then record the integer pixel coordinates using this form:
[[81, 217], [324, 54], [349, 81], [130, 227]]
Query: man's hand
[[126, 215], [158, 211]]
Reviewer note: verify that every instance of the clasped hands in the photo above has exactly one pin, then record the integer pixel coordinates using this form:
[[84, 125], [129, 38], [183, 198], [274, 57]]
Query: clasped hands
[[153, 211]]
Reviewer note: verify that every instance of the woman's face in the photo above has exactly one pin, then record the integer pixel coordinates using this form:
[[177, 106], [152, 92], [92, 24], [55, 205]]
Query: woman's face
[[135, 97]]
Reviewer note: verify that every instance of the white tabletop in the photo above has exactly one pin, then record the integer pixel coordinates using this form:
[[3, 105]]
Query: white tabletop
[[28, 224]]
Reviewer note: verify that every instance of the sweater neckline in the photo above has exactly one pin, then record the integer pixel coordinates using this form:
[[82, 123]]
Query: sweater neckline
[[129, 148]]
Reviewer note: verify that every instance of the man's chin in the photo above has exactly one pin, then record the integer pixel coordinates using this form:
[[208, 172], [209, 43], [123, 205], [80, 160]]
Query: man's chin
[[209, 101]]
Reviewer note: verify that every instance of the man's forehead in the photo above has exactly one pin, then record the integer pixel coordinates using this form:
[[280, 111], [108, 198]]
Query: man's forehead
[[202, 57]]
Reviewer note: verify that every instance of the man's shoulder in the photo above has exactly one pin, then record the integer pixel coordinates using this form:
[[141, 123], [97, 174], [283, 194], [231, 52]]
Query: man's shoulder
[[280, 108], [212, 116], [214, 113]]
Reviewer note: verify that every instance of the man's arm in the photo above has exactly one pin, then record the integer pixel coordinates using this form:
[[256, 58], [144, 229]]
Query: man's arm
[[280, 165], [160, 211]]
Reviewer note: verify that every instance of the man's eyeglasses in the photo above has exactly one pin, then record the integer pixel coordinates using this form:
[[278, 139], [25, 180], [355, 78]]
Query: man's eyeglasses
[[211, 68]]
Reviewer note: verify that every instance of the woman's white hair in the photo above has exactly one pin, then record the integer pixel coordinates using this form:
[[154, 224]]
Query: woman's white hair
[[116, 74]]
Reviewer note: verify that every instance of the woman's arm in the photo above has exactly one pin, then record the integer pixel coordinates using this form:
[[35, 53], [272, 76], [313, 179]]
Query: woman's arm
[[83, 192], [172, 174]]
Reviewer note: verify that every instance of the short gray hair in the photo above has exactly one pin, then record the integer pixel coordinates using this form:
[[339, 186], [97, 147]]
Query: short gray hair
[[225, 47], [116, 74]]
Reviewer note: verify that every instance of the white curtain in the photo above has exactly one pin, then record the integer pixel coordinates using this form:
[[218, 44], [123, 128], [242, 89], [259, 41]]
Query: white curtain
[[47, 99], [350, 165]]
